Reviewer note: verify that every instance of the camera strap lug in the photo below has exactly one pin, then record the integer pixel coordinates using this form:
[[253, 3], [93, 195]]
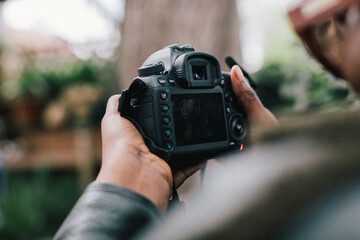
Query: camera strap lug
[[175, 202]]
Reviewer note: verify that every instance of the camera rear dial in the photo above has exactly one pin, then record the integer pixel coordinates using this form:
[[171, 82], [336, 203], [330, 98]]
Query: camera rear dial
[[237, 125]]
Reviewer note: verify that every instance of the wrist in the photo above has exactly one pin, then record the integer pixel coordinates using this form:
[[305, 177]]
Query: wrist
[[136, 169]]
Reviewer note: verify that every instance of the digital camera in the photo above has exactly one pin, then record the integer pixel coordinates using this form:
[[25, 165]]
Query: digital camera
[[184, 106]]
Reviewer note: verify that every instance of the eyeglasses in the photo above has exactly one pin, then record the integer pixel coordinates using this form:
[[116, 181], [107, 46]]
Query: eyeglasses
[[324, 26]]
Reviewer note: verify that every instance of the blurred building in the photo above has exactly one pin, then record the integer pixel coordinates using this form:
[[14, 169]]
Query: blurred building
[[42, 45]]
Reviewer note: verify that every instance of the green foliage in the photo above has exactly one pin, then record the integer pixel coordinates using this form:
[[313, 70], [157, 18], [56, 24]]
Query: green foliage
[[322, 92], [283, 86], [36, 203], [47, 83], [54, 83], [271, 80]]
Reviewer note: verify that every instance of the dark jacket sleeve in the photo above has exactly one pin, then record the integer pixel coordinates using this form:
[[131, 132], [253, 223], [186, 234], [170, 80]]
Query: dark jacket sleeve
[[107, 211]]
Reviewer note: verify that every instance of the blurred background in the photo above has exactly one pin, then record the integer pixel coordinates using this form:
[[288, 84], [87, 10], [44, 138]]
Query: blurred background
[[60, 60]]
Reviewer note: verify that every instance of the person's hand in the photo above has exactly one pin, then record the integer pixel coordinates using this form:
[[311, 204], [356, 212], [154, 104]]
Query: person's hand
[[127, 161], [258, 116]]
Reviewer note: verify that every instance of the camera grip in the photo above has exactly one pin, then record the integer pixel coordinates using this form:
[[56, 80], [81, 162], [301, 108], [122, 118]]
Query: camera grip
[[126, 111], [238, 123]]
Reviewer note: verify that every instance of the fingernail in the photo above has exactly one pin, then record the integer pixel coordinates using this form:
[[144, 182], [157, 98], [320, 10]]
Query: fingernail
[[237, 72]]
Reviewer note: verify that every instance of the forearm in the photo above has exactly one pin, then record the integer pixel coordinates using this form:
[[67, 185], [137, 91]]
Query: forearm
[[107, 211]]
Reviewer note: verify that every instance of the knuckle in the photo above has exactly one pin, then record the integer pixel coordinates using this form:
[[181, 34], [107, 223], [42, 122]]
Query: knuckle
[[248, 96], [113, 98], [250, 93]]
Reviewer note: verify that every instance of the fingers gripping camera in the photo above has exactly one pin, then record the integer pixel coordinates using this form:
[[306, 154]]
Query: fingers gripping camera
[[184, 107]]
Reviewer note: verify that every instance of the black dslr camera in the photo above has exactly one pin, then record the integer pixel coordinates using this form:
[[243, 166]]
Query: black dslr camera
[[184, 107]]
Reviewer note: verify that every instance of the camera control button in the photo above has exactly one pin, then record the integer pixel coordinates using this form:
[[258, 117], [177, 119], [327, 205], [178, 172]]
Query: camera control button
[[164, 108], [228, 110], [166, 120], [163, 95], [168, 133], [162, 81], [169, 145], [172, 82], [239, 129], [228, 97], [222, 83]]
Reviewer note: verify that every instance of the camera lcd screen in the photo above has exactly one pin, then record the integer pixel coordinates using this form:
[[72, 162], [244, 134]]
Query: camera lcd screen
[[198, 118]]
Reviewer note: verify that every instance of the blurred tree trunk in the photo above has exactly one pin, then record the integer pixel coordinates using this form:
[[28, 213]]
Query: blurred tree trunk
[[211, 26]]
